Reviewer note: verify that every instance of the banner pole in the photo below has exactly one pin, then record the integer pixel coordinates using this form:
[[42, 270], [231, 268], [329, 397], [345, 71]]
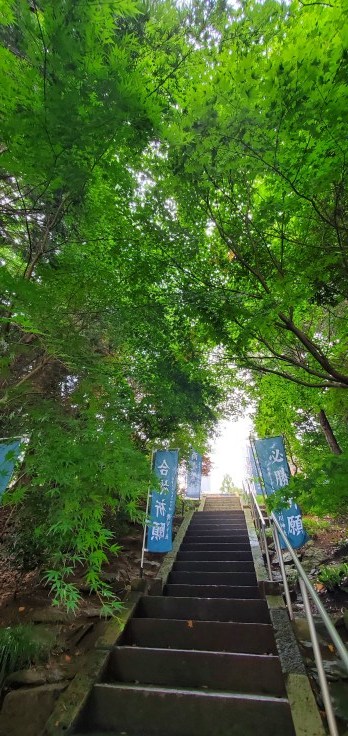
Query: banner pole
[[286, 457], [145, 523], [9, 439], [257, 465]]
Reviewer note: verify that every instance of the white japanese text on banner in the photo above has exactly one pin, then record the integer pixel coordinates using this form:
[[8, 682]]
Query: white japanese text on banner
[[275, 472], [159, 533], [194, 475]]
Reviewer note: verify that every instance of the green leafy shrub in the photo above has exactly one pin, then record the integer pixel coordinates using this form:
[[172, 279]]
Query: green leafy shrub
[[280, 499], [19, 647], [323, 489], [313, 526], [81, 467], [183, 505], [333, 576]]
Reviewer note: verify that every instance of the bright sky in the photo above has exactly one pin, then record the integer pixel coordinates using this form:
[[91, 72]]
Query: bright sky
[[228, 452]]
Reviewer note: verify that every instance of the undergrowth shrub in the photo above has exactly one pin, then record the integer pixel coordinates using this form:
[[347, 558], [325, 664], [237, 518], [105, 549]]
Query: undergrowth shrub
[[20, 647], [334, 576], [314, 526]]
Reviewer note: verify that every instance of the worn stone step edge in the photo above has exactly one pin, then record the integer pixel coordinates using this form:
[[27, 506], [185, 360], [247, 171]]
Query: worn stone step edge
[[186, 691]]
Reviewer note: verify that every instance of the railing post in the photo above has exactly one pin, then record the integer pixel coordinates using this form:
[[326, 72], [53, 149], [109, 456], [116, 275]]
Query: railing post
[[144, 535], [283, 574], [319, 663], [260, 525], [268, 560]]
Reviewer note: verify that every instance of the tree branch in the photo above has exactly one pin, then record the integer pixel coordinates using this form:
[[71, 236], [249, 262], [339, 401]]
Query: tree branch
[[289, 377], [313, 350]]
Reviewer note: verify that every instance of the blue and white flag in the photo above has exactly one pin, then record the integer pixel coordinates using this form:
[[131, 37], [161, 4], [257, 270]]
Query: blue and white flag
[[159, 533], [9, 452], [194, 475], [276, 474]]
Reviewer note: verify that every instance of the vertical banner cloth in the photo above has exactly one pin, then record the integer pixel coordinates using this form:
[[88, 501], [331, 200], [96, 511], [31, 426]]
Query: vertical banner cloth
[[275, 472], [159, 533], [9, 452], [194, 475]]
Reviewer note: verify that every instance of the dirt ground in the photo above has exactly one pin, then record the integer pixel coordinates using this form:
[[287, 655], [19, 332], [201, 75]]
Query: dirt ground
[[328, 547]]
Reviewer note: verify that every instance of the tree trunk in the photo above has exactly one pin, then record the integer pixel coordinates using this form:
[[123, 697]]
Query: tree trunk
[[329, 435]]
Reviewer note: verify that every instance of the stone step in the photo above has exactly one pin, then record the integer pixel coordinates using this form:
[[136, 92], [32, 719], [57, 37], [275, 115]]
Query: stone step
[[212, 591], [233, 518], [218, 531], [138, 710], [215, 538], [218, 547], [223, 509], [236, 518], [217, 513], [212, 578], [247, 673], [225, 519], [212, 555], [218, 499], [217, 506], [213, 566], [202, 635], [210, 504], [204, 609], [213, 521]]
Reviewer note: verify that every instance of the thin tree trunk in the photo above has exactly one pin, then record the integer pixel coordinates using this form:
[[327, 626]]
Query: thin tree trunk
[[328, 432]]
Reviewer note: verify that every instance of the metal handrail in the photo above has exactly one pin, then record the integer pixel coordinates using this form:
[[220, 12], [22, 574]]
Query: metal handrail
[[324, 615], [261, 516], [260, 524], [306, 588]]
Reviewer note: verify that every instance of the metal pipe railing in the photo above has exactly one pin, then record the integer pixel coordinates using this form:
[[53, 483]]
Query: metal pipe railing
[[260, 524], [306, 591], [331, 720], [283, 574], [324, 615]]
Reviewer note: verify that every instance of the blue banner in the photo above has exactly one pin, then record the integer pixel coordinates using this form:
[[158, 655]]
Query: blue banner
[[9, 452], [159, 533], [194, 475], [276, 474], [273, 463], [253, 472]]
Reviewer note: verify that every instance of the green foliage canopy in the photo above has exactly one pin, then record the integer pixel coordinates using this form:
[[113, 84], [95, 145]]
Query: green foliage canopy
[[97, 366], [258, 156]]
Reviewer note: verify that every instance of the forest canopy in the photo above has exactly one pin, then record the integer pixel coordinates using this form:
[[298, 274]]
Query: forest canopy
[[173, 243]]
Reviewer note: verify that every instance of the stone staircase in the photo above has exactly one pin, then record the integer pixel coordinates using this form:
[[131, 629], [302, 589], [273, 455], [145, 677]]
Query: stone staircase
[[201, 659]]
